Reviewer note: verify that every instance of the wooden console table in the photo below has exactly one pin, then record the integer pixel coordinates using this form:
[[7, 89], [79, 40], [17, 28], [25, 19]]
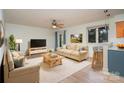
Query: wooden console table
[[32, 51]]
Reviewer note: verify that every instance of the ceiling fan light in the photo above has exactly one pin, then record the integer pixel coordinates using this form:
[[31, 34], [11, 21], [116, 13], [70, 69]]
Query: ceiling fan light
[[54, 26]]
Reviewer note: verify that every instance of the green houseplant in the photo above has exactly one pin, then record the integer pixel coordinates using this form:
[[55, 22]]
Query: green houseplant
[[12, 43]]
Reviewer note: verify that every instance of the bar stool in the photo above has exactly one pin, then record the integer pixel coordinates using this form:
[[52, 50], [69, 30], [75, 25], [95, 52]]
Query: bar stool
[[97, 62]]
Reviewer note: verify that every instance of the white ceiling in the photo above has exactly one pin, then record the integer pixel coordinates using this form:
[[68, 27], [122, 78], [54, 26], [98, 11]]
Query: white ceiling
[[43, 17]]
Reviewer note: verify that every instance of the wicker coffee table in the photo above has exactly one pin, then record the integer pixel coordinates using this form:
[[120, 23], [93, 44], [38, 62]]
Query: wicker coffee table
[[52, 59]]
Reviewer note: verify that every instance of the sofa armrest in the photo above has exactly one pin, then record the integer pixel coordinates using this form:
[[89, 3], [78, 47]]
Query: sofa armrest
[[83, 52], [24, 70], [21, 54]]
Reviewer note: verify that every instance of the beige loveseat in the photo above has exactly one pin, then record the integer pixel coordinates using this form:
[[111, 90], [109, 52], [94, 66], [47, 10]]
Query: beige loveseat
[[74, 51], [29, 73]]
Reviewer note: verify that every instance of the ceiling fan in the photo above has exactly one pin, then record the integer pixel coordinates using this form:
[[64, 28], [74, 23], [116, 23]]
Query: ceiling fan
[[56, 25]]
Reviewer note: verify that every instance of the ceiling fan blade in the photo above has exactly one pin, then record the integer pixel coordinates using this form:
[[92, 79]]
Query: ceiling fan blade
[[60, 25], [56, 25]]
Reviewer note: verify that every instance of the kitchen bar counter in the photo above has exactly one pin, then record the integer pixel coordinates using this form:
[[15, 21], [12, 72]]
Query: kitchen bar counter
[[116, 61]]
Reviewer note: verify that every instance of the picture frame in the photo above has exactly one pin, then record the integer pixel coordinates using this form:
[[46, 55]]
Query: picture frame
[[76, 38], [2, 34]]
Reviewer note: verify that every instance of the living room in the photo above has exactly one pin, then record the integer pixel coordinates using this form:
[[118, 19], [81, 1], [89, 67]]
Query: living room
[[32, 25]]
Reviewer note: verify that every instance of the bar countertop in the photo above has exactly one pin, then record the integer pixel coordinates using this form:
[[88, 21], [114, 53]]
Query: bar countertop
[[116, 49]]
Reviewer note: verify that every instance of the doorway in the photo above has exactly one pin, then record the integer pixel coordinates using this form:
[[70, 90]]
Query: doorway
[[60, 40]]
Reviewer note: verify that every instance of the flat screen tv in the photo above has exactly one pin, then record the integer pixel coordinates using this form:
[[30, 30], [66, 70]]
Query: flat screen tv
[[38, 43]]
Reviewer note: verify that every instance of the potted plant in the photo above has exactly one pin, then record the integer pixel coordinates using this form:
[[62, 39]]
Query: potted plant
[[12, 43]]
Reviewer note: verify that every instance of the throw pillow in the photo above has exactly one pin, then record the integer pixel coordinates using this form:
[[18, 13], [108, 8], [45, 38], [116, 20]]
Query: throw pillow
[[15, 54], [64, 46], [69, 46], [18, 62]]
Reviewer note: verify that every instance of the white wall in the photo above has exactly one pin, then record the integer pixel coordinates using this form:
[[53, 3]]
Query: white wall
[[26, 33], [1, 48]]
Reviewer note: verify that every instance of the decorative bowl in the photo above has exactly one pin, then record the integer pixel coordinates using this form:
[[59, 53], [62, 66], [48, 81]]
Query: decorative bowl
[[120, 45]]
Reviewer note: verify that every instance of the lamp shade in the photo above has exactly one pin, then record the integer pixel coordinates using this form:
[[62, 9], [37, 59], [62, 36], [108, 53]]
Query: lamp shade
[[19, 41]]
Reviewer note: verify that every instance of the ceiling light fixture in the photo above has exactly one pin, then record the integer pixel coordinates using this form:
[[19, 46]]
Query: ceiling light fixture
[[54, 26], [107, 15]]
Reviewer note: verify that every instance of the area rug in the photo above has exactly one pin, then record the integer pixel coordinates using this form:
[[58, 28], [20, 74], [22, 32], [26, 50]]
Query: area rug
[[60, 72]]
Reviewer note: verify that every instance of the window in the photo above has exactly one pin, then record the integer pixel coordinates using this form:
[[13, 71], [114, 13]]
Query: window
[[100, 31], [92, 35], [103, 34]]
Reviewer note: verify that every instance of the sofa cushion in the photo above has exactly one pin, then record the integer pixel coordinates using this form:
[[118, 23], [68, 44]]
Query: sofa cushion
[[68, 46], [10, 60], [64, 47], [68, 51], [71, 46], [15, 54], [77, 47], [60, 50], [76, 53]]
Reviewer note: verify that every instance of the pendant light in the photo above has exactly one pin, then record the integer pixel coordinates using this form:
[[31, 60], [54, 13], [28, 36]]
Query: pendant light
[[107, 15]]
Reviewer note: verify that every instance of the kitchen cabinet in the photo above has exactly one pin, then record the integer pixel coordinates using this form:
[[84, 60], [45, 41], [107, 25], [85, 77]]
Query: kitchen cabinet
[[116, 61]]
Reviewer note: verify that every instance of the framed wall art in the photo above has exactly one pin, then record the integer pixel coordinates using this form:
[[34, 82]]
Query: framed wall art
[[76, 38]]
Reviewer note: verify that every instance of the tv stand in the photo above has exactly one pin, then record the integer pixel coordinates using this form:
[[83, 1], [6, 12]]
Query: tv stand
[[37, 50]]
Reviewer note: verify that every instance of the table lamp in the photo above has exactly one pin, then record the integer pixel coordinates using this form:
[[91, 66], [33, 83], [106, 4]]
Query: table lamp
[[18, 42]]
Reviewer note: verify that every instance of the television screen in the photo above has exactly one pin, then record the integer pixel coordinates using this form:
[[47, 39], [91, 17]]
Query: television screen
[[38, 43]]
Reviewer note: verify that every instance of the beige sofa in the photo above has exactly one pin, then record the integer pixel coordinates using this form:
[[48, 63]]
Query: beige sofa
[[74, 51], [29, 73]]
